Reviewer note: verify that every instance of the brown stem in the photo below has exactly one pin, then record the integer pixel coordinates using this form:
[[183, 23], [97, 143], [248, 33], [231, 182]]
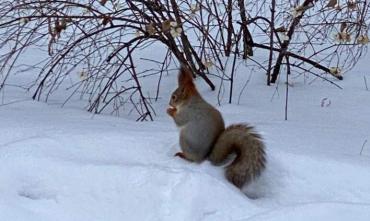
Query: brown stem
[[272, 24], [285, 44], [230, 28], [247, 37], [134, 75]]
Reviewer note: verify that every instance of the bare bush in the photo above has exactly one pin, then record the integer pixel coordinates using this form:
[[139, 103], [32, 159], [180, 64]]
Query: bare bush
[[102, 40]]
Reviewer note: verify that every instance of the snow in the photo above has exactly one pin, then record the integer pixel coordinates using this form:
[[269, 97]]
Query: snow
[[69, 165]]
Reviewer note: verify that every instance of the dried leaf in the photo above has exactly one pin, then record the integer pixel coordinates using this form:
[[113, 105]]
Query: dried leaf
[[179, 30], [83, 75], [174, 33], [297, 11], [343, 37], [194, 8], [363, 39], [174, 24], [68, 20], [150, 28], [137, 33], [106, 20], [332, 3], [208, 63], [166, 25], [283, 36], [24, 21], [352, 5], [336, 72], [281, 29]]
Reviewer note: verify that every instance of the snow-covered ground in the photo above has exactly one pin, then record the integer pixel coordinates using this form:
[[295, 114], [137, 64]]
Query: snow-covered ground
[[65, 164]]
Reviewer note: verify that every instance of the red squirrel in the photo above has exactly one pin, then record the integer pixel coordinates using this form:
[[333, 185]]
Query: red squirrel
[[203, 134]]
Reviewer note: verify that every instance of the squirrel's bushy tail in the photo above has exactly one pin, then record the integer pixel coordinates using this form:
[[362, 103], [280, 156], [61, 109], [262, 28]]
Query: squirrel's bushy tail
[[248, 146]]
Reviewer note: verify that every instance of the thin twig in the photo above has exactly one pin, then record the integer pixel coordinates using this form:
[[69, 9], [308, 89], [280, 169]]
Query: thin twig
[[365, 81], [287, 88], [363, 146]]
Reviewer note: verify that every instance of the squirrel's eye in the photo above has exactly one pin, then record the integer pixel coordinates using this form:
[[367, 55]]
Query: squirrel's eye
[[173, 97]]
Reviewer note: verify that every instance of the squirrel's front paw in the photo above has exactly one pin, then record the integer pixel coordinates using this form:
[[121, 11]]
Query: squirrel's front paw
[[171, 111]]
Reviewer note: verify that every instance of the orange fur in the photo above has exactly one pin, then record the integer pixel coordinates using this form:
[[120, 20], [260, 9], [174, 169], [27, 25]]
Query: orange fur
[[186, 81]]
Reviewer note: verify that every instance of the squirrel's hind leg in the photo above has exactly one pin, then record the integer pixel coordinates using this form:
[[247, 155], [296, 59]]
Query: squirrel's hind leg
[[189, 157], [183, 156]]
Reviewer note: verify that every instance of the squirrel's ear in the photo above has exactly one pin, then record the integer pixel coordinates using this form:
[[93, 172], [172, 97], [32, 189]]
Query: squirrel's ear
[[185, 77]]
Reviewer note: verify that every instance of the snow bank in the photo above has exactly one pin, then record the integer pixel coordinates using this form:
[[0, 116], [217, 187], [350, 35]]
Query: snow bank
[[68, 165]]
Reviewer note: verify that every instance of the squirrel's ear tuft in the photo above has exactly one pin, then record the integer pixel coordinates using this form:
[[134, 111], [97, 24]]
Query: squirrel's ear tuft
[[185, 77]]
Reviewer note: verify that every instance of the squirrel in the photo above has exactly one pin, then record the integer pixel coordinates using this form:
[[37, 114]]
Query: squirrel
[[203, 134]]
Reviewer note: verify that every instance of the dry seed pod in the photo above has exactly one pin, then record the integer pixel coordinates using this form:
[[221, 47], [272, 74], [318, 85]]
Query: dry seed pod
[[150, 28], [363, 39], [166, 25]]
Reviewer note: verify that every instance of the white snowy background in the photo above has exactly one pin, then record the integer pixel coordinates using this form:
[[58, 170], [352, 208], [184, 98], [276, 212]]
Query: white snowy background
[[65, 164]]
